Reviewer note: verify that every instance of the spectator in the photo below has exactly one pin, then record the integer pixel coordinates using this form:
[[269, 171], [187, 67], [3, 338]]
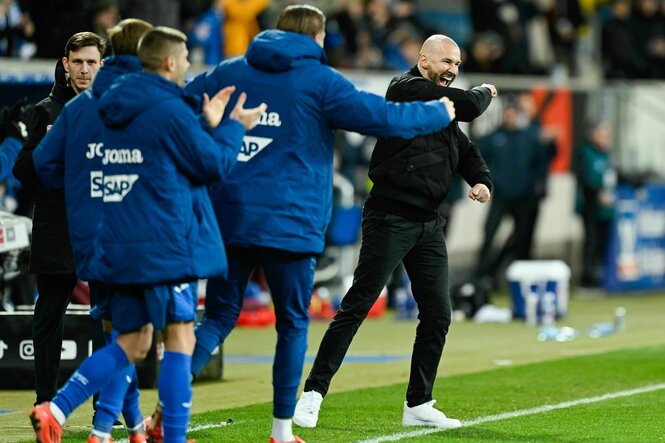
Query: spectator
[[565, 18], [205, 38], [485, 54], [56, 20], [105, 17], [596, 179], [620, 55], [514, 154], [159, 12], [16, 29], [507, 19], [12, 134], [241, 24], [648, 27]]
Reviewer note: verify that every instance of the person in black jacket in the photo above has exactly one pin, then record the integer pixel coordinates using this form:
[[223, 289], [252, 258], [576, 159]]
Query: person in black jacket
[[401, 222], [51, 253]]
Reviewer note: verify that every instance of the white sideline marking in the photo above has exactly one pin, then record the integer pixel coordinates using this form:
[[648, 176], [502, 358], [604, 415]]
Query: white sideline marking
[[520, 413], [196, 428]]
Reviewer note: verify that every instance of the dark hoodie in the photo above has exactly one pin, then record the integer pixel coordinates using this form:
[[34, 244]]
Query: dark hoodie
[[50, 252]]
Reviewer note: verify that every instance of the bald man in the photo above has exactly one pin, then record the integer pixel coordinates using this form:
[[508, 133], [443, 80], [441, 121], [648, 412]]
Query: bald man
[[401, 222]]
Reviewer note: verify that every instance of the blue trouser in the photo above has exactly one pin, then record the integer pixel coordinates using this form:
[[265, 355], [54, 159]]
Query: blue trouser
[[290, 278]]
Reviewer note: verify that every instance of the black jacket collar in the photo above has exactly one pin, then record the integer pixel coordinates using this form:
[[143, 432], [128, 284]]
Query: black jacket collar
[[415, 71]]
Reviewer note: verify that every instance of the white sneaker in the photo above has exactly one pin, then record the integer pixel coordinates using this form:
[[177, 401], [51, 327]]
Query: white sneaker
[[307, 410], [426, 415]]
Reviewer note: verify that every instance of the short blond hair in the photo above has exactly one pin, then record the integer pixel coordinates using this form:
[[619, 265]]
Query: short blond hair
[[125, 35], [157, 44], [303, 19]]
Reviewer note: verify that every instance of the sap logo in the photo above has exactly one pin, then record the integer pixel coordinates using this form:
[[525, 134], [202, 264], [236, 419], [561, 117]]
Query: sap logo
[[116, 187], [96, 184], [94, 150], [252, 146], [269, 119], [122, 156]]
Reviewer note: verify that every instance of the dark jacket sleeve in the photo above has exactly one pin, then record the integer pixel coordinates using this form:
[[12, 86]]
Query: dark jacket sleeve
[[472, 166], [468, 104], [24, 169]]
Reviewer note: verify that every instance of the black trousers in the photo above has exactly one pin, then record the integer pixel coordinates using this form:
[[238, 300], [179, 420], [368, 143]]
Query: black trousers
[[55, 291], [386, 240], [596, 232]]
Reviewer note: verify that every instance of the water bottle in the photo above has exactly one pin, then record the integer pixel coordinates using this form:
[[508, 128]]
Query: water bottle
[[553, 333], [619, 318], [598, 330], [549, 308], [531, 308]]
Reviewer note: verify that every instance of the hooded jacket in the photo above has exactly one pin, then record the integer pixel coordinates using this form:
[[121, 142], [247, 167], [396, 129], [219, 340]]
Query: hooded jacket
[[158, 225], [70, 158], [279, 194], [50, 251], [412, 176]]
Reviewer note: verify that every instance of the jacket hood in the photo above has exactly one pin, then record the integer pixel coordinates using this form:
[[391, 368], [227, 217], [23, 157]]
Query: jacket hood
[[133, 94], [113, 68], [62, 91], [278, 51]]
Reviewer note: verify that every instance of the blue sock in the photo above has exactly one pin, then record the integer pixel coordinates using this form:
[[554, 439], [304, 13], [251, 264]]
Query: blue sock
[[208, 337], [175, 394], [93, 374], [111, 400], [131, 409]]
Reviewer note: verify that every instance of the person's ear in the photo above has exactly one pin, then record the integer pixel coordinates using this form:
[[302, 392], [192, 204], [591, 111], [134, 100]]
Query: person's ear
[[424, 63], [65, 63], [170, 63], [320, 37]]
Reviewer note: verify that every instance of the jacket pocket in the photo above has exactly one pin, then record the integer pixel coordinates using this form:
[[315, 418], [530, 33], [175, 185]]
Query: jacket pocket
[[426, 159]]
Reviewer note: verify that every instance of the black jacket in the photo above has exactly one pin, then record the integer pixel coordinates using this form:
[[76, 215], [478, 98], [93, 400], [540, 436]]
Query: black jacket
[[412, 177], [50, 252]]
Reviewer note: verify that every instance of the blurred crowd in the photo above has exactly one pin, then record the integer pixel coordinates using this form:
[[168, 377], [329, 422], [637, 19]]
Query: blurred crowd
[[532, 37]]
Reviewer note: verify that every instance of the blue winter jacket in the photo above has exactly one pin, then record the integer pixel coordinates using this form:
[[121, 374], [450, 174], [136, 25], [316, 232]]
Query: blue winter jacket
[[279, 194], [9, 149], [158, 225], [70, 157]]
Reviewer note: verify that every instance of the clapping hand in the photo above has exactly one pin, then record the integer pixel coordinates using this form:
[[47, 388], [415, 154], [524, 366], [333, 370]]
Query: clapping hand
[[213, 108], [248, 117]]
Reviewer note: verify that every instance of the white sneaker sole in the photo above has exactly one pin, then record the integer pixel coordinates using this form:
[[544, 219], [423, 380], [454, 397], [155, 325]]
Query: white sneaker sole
[[304, 424]]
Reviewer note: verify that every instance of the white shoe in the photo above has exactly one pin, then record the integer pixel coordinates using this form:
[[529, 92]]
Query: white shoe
[[426, 415], [307, 410]]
